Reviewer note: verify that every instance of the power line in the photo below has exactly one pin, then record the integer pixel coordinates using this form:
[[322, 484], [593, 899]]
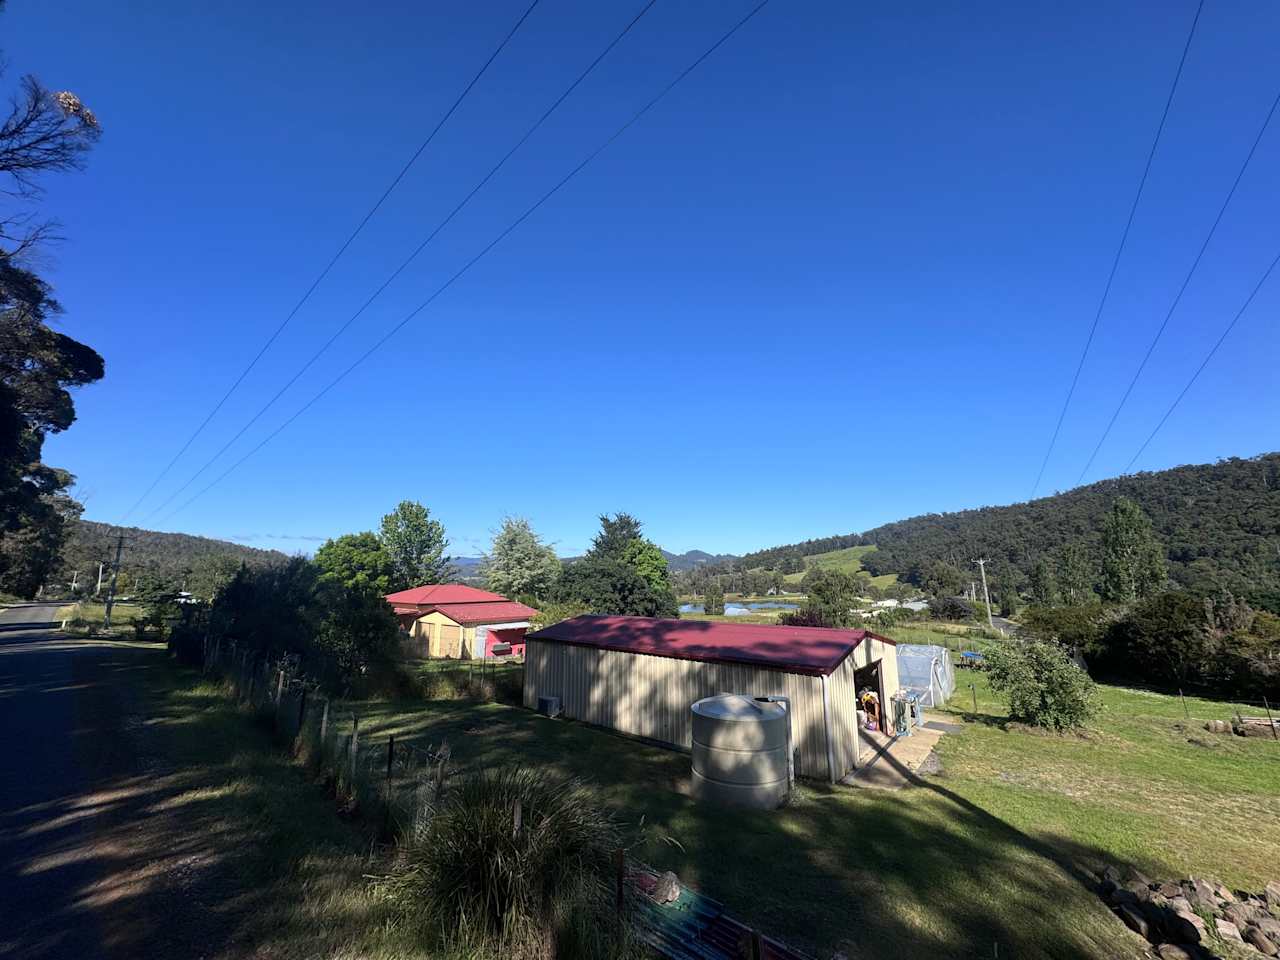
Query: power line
[[483, 252], [412, 256], [1182, 289], [333, 260], [1124, 237], [1205, 362]]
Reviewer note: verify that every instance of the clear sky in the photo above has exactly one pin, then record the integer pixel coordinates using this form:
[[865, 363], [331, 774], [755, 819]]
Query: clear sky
[[840, 276]]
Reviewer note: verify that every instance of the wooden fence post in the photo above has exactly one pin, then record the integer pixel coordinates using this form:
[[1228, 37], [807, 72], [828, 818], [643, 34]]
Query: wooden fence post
[[279, 687], [324, 726], [1270, 720], [355, 748], [1185, 711]]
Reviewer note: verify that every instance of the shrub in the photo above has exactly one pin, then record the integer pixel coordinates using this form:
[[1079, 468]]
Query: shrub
[[507, 856], [950, 608], [1042, 684]]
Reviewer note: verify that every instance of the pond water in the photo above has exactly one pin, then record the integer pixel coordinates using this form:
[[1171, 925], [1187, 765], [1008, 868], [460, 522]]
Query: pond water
[[733, 608]]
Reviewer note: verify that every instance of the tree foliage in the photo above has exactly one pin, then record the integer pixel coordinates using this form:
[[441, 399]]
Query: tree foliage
[[43, 132], [621, 574], [519, 564], [416, 544], [713, 599], [1216, 523], [1133, 565], [832, 601], [1042, 685], [358, 561]]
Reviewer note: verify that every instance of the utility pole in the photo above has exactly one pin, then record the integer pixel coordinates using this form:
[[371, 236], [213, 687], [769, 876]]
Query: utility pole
[[98, 589], [75, 577], [111, 590], [982, 566]]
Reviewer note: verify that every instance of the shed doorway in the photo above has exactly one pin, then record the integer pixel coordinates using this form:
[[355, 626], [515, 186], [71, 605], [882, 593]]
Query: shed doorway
[[871, 710]]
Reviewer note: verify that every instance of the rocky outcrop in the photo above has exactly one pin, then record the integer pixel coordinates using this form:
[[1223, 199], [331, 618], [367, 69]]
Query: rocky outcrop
[[1196, 918]]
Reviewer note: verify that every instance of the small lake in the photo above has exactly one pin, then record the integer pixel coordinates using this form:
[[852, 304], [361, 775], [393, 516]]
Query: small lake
[[735, 609]]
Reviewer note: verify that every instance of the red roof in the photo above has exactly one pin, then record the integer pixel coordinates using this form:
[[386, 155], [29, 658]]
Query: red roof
[[501, 611], [811, 650], [441, 593]]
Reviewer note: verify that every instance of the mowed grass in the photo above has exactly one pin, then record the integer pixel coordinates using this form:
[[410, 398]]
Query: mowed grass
[[848, 560], [95, 613], [992, 851]]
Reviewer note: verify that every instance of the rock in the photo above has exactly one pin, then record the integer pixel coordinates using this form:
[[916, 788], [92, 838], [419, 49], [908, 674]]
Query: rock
[[1171, 951], [1184, 927], [668, 888], [1106, 888], [1220, 891], [1227, 930], [1241, 914], [1134, 920], [1200, 896], [1169, 890], [1270, 926], [1261, 942], [1120, 897], [1134, 875], [1272, 893], [1139, 889], [1111, 872]]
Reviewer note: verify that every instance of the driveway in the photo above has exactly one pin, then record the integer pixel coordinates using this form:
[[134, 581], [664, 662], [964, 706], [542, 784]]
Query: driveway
[[30, 616]]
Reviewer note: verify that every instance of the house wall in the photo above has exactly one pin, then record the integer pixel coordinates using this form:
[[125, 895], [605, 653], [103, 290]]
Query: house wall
[[650, 696], [435, 635]]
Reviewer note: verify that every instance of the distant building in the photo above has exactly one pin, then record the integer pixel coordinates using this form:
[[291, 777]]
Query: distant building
[[453, 620]]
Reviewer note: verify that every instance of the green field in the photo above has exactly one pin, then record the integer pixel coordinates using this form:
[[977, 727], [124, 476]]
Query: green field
[[848, 560], [966, 861]]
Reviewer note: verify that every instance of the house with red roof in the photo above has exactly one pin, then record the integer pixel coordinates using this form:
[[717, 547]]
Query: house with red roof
[[454, 620]]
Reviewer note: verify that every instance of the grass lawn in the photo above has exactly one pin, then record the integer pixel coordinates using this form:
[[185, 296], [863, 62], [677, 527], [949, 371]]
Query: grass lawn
[[240, 837], [848, 560], [990, 851], [122, 614]]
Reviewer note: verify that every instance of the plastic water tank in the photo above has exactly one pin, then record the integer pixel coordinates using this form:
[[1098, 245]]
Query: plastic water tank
[[740, 751]]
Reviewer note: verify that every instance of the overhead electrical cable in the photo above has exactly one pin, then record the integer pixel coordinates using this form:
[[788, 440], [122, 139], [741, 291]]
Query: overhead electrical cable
[[275, 334], [1124, 237], [1205, 362], [1182, 289], [724, 38], [324, 347]]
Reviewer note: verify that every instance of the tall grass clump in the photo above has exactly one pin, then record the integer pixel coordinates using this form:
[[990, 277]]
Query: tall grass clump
[[515, 863]]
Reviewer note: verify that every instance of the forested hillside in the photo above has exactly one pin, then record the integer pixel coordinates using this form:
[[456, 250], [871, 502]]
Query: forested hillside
[[1220, 524], [148, 553]]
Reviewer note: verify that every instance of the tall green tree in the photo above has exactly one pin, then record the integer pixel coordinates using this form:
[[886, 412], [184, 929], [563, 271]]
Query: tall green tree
[[1044, 585], [44, 132], [358, 561], [1075, 575], [1133, 561], [519, 563], [622, 573], [713, 599], [416, 544]]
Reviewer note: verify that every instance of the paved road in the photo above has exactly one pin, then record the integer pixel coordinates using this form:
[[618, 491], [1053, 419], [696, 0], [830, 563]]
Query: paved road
[[47, 776], [27, 616]]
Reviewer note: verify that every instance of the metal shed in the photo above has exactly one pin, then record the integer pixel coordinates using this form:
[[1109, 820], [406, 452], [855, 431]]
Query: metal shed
[[640, 675]]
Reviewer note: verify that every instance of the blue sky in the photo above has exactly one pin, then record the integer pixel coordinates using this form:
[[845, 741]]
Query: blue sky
[[840, 276]]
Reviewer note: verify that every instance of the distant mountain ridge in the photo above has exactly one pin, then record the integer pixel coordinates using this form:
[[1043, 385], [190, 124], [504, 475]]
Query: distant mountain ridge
[[680, 562], [1219, 523], [150, 551]]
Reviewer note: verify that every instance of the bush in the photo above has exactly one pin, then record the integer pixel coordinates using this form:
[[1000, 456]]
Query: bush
[[950, 608], [1042, 684], [510, 856]]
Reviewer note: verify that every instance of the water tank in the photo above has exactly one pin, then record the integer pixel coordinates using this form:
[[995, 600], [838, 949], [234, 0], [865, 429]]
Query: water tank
[[740, 748]]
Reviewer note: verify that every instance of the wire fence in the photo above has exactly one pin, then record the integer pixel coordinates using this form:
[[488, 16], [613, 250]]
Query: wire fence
[[394, 782]]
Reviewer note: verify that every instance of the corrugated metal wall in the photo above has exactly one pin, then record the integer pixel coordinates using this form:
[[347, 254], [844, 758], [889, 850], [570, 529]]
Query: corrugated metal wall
[[649, 696]]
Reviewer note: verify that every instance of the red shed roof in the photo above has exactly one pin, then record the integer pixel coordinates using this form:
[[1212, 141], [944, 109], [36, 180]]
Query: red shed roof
[[811, 650], [501, 611], [441, 593]]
